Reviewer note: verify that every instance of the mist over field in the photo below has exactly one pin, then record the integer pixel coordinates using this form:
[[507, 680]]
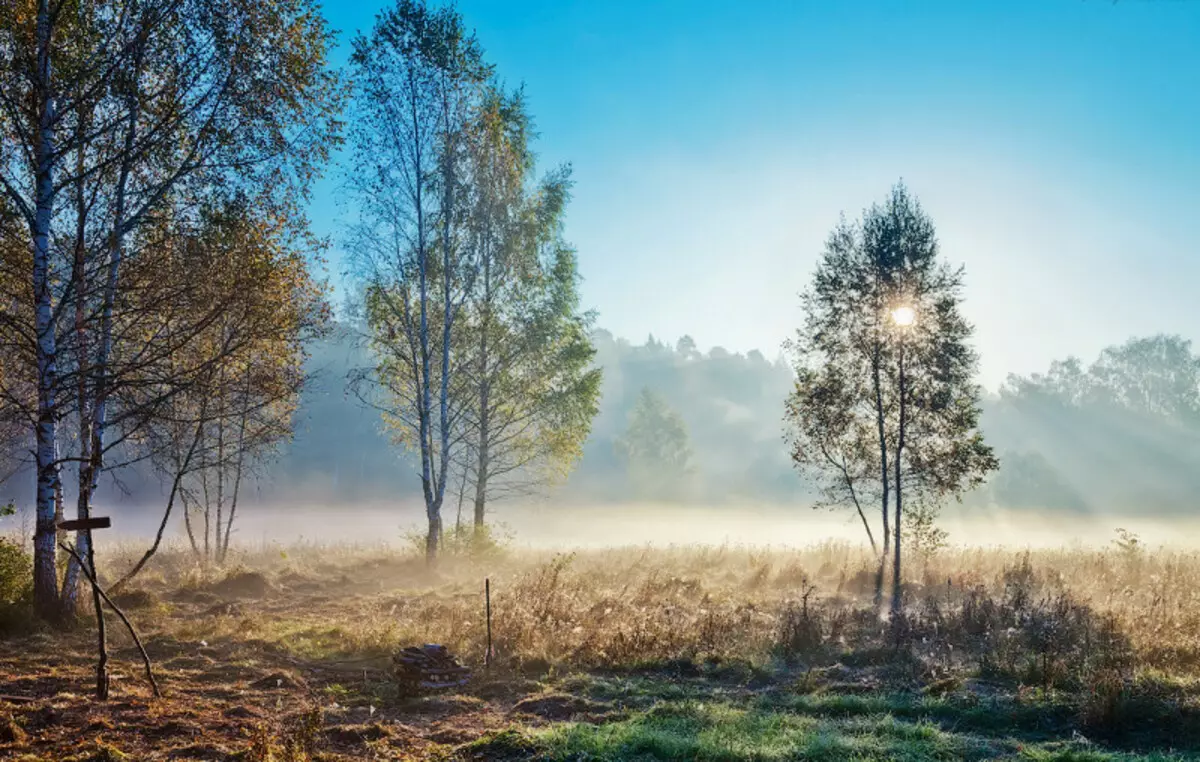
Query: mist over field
[[550, 527], [1070, 470]]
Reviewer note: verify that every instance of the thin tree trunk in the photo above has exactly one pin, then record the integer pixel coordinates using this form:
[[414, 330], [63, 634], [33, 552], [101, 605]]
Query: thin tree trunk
[[462, 492], [897, 585], [481, 491], [187, 525], [70, 586], [223, 550], [447, 313], [94, 459], [482, 466], [207, 529], [45, 571], [885, 478], [867, 526], [207, 510], [180, 471], [425, 412], [220, 470], [59, 516], [101, 633]]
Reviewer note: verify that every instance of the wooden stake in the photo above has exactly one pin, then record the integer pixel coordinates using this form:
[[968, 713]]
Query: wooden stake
[[487, 595]]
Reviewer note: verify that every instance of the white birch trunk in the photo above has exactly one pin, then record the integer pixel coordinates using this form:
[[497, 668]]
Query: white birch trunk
[[45, 573]]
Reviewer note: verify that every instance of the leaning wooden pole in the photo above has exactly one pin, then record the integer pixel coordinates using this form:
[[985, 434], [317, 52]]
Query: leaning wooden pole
[[100, 594], [101, 628]]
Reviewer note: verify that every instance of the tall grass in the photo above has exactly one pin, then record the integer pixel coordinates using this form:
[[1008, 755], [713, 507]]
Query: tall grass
[[1040, 615]]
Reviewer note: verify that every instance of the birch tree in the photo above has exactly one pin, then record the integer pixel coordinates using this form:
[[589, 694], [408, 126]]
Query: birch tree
[[260, 306], [30, 93], [531, 391], [886, 406], [837, 416], [419, 76]]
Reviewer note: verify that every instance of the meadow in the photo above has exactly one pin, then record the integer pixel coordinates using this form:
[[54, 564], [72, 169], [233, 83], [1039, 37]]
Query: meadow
[[702, 652]]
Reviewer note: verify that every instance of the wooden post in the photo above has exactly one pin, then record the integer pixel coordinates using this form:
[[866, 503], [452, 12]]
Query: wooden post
[[487, 595], [74, 525]]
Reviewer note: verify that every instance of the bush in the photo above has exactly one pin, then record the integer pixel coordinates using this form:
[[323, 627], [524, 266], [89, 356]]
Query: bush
[[800, 628], [463, 541], [16, 574]]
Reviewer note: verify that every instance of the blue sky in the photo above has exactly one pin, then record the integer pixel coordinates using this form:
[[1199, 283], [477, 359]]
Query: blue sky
[[1056, 144]]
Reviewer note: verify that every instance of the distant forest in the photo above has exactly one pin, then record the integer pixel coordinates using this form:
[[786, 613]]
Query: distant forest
[[1115, 435]]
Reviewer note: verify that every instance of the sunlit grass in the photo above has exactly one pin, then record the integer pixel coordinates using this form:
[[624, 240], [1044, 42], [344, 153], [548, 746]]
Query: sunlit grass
[[617, 606]]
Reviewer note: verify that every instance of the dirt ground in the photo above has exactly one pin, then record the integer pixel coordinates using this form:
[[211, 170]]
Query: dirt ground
[[236, 697]]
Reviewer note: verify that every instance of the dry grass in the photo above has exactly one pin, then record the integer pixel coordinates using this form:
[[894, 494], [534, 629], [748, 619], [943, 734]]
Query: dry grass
[[255, 655], [619, 607]]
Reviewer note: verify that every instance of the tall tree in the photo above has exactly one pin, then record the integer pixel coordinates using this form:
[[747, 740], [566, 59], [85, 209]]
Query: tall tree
[[244, 370], [840, 356], [885, 357], [655, 448], [30, 93], [420, 75], [527, 355]]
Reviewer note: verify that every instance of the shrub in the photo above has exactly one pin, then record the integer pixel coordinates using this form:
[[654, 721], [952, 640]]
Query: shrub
[[800, 630], [463, 541], [16, 574], [922, 536]]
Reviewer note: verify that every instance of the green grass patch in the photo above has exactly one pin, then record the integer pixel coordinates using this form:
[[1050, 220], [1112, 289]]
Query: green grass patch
[[708, 721], [721, 732]]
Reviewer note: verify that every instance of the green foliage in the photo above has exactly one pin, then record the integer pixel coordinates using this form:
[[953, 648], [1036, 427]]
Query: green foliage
[[868, 389], [464, 541], [655, 448], [921, 533], [16, 573], [532, 388]]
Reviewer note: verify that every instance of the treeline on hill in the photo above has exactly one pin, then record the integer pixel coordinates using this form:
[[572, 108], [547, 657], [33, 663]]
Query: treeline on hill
[[1116, 434], [1119, 434], [1060, 449]]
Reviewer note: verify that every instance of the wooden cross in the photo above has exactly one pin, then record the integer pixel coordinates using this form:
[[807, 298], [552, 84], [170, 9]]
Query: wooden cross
[[99, 598]]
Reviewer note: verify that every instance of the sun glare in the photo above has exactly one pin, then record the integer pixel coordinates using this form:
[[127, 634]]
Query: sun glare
[[904, 316]]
